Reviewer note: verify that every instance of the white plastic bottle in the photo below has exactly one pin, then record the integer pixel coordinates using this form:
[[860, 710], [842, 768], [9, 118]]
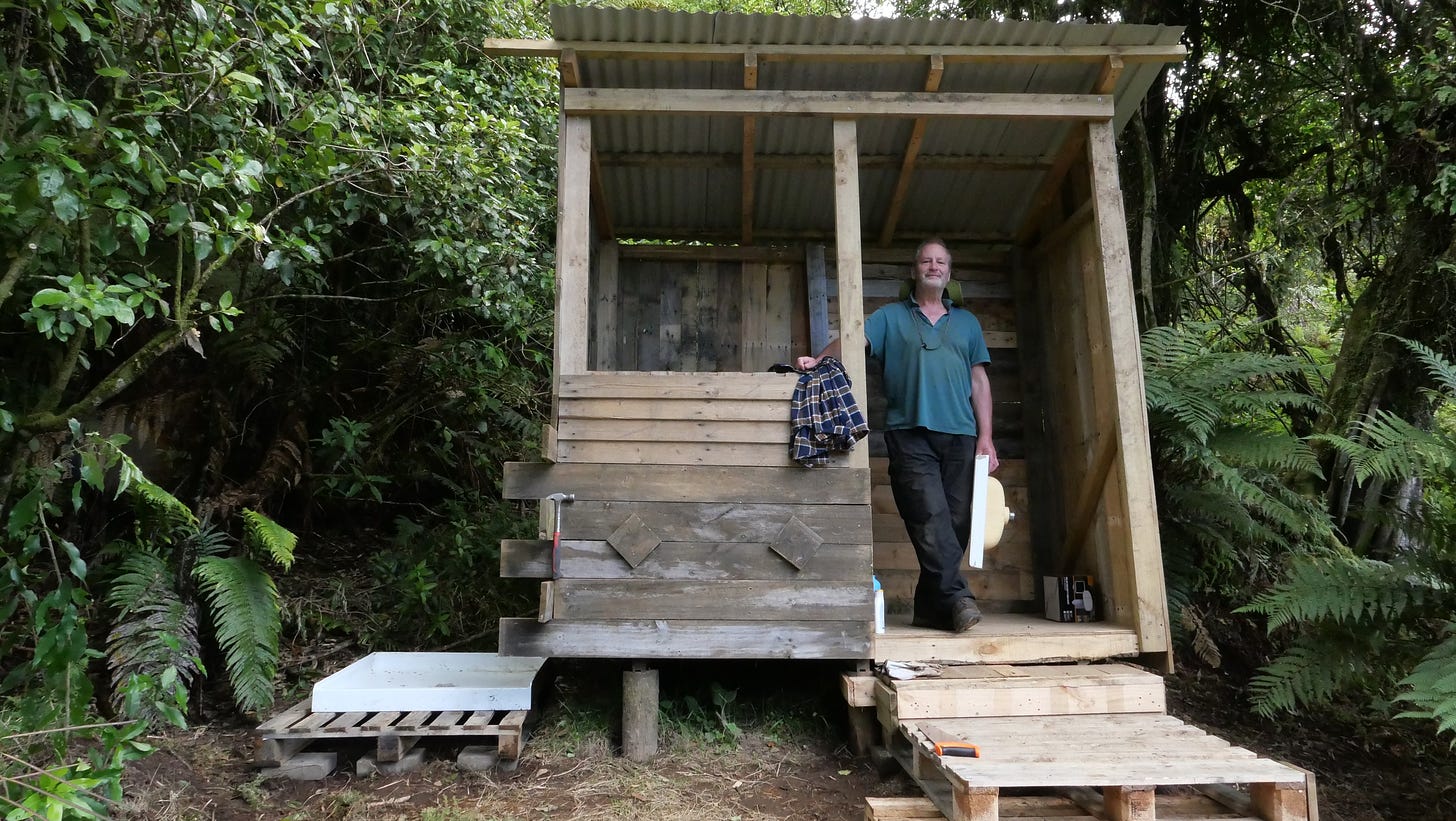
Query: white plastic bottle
[[879, 605]]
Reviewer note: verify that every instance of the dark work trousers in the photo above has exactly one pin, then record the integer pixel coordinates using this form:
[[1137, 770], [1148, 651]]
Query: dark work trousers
[[931, 475]]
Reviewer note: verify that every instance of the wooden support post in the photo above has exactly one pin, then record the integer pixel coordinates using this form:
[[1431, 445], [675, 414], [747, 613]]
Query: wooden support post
[[862, 730], [573, 247], [639, 713], [1138, 554], [977, 804], [849, 256], [391, 747], [1280, 802], [1129, 803]]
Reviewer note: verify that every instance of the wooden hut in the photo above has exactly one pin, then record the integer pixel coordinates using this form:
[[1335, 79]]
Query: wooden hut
[[733, 190], [736, 188]]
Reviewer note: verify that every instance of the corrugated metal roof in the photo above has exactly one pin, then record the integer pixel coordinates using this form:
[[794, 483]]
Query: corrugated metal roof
[[678, 198]]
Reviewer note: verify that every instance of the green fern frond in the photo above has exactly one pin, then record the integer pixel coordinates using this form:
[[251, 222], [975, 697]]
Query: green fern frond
[[1432, 685], [1441, 370], [1346, 590], [262, 532], [155, 629], [1307, 674], [246, 618], [165, 507]]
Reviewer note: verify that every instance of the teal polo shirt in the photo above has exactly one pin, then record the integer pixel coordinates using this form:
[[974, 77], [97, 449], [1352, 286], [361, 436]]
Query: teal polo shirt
[[927, 367]]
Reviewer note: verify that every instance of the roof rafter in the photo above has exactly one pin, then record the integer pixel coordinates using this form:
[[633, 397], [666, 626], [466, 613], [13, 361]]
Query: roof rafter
[[750, 129], [1070, 151], [933, 73]]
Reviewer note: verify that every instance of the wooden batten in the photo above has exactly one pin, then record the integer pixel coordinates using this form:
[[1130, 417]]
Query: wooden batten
[[687, 483], [685, 639], [756, 600], [699, 101], [695, 561]]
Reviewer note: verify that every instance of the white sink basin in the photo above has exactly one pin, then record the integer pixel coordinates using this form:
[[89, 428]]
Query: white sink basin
[[408, 682]]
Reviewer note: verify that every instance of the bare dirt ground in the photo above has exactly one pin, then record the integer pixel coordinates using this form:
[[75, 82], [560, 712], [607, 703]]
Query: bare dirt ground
[[788, 760]]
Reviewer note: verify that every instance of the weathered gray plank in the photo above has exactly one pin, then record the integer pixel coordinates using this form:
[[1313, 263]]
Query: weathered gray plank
[[531, 559], [286, 718], [688, 483], [685, 639], [577, 599], [716, 521]]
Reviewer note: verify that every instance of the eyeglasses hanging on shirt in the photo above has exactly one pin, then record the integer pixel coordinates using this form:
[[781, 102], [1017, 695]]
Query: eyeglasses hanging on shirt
[[920, 330]]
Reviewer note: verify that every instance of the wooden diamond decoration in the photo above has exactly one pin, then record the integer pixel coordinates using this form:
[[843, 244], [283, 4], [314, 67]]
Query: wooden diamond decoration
[[796, 543], [634, 540]]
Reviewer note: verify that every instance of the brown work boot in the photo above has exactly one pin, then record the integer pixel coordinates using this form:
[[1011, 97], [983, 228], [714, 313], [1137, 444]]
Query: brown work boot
[[964, 615]]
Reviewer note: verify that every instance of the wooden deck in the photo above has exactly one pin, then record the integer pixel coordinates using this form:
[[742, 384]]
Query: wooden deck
[[1004, 638]]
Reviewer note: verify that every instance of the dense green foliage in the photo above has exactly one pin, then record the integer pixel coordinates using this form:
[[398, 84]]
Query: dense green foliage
[[300, 252], [289, 262]]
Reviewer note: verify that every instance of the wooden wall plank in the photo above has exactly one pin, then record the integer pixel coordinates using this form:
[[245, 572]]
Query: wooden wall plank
[[756, 600], [662, 385], [604, 357], [687, 483], [716, 521], [670, 323], [688, 431], [680, 453], [701, 561], [1134, 467], [784, 281], [723, 410], [573, 246], [730, 317], [648, 332], [646, 639], [816, 280], [753, 302]]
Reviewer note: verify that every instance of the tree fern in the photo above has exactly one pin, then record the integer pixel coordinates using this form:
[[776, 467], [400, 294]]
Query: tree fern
[[264, 533], [245, 616], [1366, 624]]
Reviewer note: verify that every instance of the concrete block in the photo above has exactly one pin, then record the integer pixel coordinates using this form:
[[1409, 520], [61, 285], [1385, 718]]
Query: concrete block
[[477, 758], [304, 767], [369, 764]]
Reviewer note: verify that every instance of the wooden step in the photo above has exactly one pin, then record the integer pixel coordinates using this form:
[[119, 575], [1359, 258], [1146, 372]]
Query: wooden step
[[1125, 756], [1005, 638], [974, 691]]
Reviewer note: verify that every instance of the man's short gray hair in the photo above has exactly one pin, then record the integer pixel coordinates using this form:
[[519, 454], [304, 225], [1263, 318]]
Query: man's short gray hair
[[931, 241]]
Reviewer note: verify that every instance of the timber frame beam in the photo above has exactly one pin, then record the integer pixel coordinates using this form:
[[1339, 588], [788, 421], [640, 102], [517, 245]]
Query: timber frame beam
[[500, 47], [600, 101]]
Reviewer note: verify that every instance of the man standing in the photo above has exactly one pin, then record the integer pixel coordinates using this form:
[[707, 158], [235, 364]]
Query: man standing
[[938, 420]]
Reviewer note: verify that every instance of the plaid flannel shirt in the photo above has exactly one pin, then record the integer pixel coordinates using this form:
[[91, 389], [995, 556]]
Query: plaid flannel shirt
[[823, 415]]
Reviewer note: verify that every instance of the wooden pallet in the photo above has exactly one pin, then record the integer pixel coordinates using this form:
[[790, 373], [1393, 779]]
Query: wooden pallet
[[395, 733], [1125, 756], [1083, 805]]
